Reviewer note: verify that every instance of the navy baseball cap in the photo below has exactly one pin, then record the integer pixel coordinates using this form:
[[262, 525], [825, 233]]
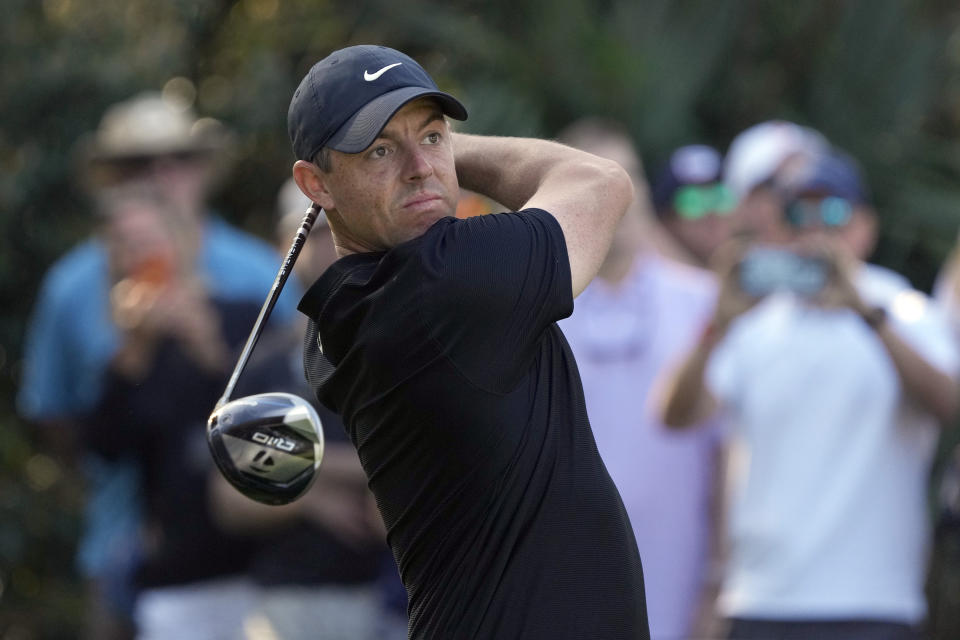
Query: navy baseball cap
[[831, 174], [693, 164], [347, 98]]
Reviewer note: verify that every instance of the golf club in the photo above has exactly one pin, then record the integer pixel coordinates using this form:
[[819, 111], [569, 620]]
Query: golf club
[[268, 446]]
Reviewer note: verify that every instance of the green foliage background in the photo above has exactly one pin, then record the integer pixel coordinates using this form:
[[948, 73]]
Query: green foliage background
[[878, 77]]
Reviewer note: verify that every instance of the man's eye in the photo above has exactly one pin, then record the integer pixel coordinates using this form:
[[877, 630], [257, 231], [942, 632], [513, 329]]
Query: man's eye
[[379, 151], [433, 138]]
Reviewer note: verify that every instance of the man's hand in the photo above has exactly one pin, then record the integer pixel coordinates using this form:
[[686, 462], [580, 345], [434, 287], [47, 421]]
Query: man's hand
[[732, 301], [840, 292], [180, 309], [932, 389]]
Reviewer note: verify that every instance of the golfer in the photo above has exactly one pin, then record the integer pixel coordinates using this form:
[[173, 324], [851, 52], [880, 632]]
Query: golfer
[[435, 340]]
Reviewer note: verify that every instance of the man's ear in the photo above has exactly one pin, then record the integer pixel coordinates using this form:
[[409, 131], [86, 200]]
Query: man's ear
[[313, 184]]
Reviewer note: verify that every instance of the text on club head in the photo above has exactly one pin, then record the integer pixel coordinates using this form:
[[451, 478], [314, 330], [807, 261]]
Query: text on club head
[[274, 441]]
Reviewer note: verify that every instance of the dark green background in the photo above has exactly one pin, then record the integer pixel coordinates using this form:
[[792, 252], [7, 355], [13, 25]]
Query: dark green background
[[878, 77]]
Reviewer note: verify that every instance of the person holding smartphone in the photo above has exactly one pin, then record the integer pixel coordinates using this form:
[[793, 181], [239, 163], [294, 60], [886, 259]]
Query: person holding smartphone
[[836, 383], [89, 312]]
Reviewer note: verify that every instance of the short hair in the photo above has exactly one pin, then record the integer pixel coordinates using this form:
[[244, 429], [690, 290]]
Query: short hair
[[324, 160], [592, 130]]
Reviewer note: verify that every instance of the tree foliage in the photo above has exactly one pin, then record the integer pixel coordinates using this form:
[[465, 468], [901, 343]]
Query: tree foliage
[[878, 77]]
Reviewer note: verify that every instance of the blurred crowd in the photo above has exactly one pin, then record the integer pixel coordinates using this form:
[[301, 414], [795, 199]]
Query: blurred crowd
[[769, 403], [776, 411], [134, 334]]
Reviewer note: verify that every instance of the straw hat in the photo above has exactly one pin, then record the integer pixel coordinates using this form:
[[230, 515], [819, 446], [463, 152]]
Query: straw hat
[[144, 126], [150, 125]]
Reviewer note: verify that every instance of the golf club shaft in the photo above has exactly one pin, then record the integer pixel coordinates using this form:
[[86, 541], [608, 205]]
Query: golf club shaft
[[285, 269]]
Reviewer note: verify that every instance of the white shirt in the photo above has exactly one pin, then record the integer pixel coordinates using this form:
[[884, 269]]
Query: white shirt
[[830, 461]]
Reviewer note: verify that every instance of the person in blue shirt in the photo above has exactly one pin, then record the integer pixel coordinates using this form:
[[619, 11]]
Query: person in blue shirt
[[73, 335]]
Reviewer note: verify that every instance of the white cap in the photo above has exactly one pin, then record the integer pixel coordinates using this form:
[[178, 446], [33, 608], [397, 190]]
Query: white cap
[[292, 204], [758, 152]]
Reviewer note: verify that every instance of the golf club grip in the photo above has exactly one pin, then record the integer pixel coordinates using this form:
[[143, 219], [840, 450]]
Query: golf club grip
[[285, 269]]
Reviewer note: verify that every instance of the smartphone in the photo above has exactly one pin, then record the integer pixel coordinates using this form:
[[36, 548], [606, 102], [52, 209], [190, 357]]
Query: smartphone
[[156, 269], [764, 270]]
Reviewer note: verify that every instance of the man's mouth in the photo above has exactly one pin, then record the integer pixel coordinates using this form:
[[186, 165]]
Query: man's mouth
[[421, 200]]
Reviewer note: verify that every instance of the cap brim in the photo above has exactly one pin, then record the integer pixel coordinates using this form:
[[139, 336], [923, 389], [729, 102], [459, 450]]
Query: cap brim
[[93, 150], [826, 187], [363, 127], [101, 154]]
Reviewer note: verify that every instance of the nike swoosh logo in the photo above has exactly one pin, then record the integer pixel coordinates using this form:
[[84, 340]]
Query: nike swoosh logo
[[370, 77]]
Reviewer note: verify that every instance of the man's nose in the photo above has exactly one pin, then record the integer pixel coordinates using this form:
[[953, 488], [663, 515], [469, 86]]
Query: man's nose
[[418, 165]]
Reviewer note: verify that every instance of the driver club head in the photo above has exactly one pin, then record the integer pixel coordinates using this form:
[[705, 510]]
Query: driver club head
[[269, 446]]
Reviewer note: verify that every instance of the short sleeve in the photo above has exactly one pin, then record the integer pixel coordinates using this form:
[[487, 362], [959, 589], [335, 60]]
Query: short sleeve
[[69, 338], [926, 328], [503, 279], [43, 375]]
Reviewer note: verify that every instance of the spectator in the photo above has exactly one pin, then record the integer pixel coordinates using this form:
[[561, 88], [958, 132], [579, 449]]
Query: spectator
[[318, 576], [753, 158], [692, 202], [943, 581], [156, 395], [944, 578], [642, 311], [946, 288], [72, 338], [835, 389]]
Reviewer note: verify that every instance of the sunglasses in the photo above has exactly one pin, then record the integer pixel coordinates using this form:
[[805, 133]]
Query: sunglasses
[[828, 212], [145, 160], [135, 166], [693, 202]]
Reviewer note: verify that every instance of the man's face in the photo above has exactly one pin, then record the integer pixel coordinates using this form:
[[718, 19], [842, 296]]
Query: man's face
[[630, 229], [396, 188], [700, 218], [701, 237], [141, 240], [845, 225], [759, 215], [183, 177]]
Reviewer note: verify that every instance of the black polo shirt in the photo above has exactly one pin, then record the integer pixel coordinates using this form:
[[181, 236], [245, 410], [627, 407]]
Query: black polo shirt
[[464, 402]]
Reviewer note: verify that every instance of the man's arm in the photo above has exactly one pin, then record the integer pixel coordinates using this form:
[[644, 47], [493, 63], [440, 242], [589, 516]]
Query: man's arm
[[932, 389], [586, 194], [687, 400], [338, 502]]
